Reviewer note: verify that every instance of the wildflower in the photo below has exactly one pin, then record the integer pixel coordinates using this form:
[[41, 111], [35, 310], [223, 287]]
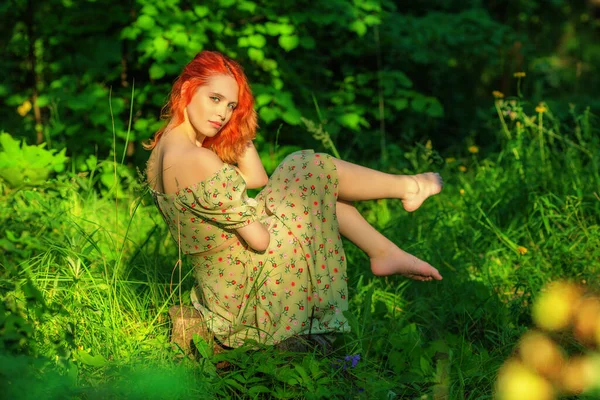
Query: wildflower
[[353, 359], [516, 381], [462, 168], [462, 191], [519, 75], [554, 308], [522, 250], [497, 94], [428, 145], [541, 108], [450, 160], [24, 108], [473, 149]]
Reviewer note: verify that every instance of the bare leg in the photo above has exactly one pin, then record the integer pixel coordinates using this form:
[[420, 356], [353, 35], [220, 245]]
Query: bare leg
[[361, 183], [386, 257]]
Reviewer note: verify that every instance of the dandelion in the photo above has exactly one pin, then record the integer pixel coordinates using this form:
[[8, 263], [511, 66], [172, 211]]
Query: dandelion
[[462, 191], [462, 168], [522, 250], [541, 108], [473, 149], [519, 74], [450, 160], [497, 94], [428, 145]]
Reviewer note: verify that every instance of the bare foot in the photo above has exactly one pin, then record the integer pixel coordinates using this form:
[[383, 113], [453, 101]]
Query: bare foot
[[425, 185], [397, 261]]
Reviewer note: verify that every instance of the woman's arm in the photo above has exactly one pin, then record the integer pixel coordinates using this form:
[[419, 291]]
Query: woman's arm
[[256, 236], [251, 168]]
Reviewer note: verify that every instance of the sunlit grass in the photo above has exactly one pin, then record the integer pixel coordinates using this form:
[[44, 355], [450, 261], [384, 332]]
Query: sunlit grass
[[88, 282]]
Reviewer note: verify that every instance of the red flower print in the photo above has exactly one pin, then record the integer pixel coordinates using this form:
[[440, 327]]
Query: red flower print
[[335, 270], [287, 328], [327, 286], [286, 308], [193, 205], [192, 219], [307, 255], [183, 208], [316, 203], [302, 308], [322, 266], [293, 283], [299, 226], [309, 175], [312, 187]]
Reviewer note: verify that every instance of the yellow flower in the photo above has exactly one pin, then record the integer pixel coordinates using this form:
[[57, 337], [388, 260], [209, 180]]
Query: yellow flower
[[519, 75], [428, 145], [553, 309], [462, 168], [473, 149], [24, 108], [462, 191], [541, 108], [450, 160], [517, 382], [497, 94], [522, 250]]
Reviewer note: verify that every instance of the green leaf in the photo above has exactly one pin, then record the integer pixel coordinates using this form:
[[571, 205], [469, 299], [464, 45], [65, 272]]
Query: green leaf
[[161, 45], [226, 3], [268, 114], [399, 104], [418, 104], [180, 39], [272, 28], [247, 6], [43, 101], [256, 54], [156, 71], [289, 43], [201, 11], [263, 99], [350, 120], [286, 29], [359, 27], [146, 22], [88, 359], [292, 116], [257, 41], [435, 109]]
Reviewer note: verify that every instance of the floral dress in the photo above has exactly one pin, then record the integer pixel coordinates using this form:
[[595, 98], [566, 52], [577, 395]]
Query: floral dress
[[298, 285]]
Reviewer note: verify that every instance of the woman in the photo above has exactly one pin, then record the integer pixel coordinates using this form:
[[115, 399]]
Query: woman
[[271, 267]]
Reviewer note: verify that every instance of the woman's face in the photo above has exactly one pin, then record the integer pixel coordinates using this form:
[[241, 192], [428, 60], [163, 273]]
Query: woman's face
[[213, 104]]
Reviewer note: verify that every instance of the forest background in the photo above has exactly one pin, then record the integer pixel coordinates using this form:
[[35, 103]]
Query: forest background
[[500, 96]]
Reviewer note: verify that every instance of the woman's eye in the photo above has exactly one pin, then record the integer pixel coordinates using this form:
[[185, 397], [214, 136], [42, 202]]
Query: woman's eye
[[231, 107], [215, 99]]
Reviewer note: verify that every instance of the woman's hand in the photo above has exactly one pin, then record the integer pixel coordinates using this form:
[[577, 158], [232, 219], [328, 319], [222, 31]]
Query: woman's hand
[[251, 168]]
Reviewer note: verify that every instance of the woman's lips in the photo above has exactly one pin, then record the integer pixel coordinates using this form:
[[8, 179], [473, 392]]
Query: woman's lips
[[215, 124]]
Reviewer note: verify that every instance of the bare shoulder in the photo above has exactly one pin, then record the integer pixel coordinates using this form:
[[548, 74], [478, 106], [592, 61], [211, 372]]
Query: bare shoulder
[[194, 164]]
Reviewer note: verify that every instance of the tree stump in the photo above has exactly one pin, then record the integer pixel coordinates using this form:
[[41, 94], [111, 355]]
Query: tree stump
[[188, 321]]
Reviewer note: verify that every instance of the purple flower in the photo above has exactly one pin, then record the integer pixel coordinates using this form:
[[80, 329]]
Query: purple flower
[[354, 359]]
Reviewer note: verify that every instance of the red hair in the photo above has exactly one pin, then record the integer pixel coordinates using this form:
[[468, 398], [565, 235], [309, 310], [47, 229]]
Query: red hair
[[230, 143]]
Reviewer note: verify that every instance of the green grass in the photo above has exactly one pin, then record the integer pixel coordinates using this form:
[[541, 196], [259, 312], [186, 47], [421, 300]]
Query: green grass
[[87, 280]]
